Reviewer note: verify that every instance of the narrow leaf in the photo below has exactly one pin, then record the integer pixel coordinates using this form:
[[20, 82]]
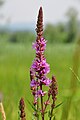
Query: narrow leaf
[[18, 115], [32, 106], [75, 74], [54, 118], [58, 105], [49, 114]]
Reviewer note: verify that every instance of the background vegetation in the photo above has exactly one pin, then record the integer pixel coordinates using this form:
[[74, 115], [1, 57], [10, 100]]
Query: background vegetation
[[62, 53]]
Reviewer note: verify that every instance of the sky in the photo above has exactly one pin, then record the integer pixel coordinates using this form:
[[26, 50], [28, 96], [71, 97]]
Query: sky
[[25, 11]]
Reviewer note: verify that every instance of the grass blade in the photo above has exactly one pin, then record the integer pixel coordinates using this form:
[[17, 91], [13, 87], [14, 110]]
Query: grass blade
[[32, 106]]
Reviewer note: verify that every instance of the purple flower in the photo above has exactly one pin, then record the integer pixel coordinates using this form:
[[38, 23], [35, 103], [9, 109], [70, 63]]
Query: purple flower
[[41, 66], [40, 46], [34, 83], [39, 70], [36, 65], [45, 66], [46, 81], [40, 92]]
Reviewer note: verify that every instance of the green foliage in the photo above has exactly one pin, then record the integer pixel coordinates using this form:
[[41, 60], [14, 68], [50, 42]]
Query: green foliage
[[55, 33], [72, 24], [62, 33], [17, 37], [22, 37], [32, 106], [15, 62], [13, 38], [58, 105]]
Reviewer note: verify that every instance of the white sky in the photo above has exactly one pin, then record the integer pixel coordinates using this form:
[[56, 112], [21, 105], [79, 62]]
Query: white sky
[[26, 10]]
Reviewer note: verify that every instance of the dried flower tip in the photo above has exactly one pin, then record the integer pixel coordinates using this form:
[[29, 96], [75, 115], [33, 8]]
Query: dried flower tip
[[39, 25]]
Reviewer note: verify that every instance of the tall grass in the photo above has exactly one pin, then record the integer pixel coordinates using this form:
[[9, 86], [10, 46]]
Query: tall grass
[[15, 61]]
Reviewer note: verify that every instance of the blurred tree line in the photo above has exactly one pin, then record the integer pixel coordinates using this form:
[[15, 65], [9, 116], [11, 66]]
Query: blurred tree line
[[22, 37], [65, 32]]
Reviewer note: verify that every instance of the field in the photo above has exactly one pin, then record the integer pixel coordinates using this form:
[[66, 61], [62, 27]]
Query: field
[[15, 62]]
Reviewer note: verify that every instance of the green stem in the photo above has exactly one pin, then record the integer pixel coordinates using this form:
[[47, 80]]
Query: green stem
[[52, 107], [42, 104], [37, 104], [46, 104]]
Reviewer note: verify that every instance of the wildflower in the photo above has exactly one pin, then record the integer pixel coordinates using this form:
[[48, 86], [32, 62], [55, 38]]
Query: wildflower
[[34, 83], [40, 92], [38, 73], [40, 67], [45, 81]]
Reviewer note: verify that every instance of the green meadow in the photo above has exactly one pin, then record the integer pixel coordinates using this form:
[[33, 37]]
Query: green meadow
[[15, 62]]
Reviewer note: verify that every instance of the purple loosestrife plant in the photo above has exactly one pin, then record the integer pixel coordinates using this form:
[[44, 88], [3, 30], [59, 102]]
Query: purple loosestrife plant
[[38, 74]]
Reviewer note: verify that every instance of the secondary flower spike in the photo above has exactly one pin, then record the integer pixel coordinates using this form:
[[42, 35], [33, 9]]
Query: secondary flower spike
[[22, 111]]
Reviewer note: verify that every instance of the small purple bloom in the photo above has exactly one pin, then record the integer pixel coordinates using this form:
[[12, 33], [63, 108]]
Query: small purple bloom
[[46, 81], [40, 46], [40, 92], [34, 83], [41, 66], [46, 67]]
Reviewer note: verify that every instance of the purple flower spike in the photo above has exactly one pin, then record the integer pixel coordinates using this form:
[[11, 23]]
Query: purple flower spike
[[40, 46], [41, 66], [39, 70]]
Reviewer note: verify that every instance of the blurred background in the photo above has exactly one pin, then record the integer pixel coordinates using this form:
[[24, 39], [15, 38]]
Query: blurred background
[[18, 20]]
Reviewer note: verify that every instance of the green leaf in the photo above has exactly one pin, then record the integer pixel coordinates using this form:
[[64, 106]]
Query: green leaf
[[74, 74], [33, 118], [54, 118], [33, 107], [18, 115], [58, 105], [49, 114]]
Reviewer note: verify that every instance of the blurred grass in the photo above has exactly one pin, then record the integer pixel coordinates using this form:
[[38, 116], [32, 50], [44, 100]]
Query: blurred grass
[[15, 62]]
